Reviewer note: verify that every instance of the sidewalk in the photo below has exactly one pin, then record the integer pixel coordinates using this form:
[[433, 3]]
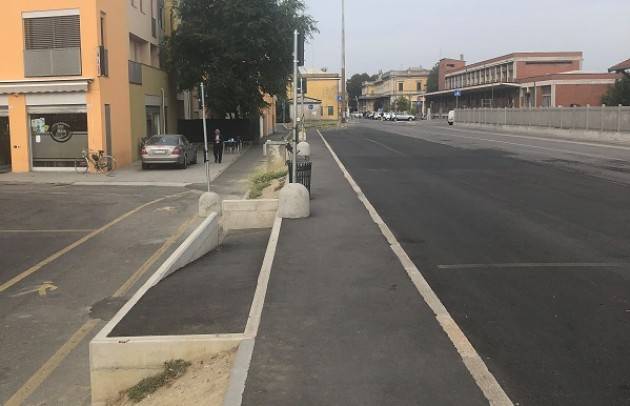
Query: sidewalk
[[131, 175], [342, 323]]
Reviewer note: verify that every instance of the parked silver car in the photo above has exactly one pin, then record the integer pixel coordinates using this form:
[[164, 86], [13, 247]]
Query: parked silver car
[[168, 149], [404, 117]]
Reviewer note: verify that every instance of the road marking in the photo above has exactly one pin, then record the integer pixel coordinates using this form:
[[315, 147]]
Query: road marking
[[42, 374], [41, 290], [59, 231], [473, 362], [385, 146], [18, 278], [49, 366], [153, 258], [536, 265]]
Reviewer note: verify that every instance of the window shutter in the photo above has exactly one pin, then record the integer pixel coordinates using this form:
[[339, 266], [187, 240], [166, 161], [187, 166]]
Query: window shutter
[[52, 32]]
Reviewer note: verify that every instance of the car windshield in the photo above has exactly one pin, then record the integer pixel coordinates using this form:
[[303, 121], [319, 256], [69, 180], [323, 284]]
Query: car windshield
[[163, 140]]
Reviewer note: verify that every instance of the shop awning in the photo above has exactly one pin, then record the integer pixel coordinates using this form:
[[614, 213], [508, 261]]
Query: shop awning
[[44, 86]]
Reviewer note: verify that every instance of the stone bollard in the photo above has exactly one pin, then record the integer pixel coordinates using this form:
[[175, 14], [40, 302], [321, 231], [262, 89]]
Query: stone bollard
[[304, 149], [209, 202], [295, 202]]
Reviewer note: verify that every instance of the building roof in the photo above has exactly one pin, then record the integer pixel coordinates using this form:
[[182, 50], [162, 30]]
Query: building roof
[[407, 73], [573, 76], [621, 66], [311, 73], [516, 55]]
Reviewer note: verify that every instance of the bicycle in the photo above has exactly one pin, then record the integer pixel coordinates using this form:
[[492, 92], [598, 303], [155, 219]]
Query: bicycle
[[101, 162]]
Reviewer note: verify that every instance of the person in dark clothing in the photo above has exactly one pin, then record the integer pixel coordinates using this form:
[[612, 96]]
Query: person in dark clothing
[[217, 143]]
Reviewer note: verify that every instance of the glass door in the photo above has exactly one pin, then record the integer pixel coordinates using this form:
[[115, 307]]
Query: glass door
[[5, 145]]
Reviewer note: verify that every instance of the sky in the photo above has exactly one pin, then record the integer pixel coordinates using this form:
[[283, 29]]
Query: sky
[[396, 34]]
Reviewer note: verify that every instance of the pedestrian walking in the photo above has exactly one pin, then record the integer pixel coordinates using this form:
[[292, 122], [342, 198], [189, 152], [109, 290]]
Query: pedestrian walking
[[217, 143]]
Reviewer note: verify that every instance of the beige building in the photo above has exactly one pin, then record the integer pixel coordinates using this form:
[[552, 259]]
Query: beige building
[[322, 95], [382, 93]]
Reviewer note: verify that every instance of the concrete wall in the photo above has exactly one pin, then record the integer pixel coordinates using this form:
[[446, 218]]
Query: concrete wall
[[248, 214], [601, 119]]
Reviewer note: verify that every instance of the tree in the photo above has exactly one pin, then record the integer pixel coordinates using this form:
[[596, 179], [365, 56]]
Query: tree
[[241, 49], [619, 93], [434, 78], [354, 86], [402, 104]]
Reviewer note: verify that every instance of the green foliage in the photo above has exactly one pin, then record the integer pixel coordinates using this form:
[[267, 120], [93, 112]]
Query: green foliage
[[240, 48], [402, 104], [354, 88], [434, 78], [619, 93], [147, 386], [262, 181]]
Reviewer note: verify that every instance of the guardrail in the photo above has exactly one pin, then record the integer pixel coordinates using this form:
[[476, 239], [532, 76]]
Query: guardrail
[[600, 118]]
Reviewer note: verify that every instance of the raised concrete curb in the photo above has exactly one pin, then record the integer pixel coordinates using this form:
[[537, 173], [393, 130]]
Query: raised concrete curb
[[249, 214], [118, 362]]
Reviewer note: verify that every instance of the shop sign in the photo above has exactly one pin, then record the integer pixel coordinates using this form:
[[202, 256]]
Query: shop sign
[[60, 132]]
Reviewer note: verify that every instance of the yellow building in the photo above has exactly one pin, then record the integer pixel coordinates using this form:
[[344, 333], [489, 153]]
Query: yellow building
[[382, 93], [81, 75], [322, 95]]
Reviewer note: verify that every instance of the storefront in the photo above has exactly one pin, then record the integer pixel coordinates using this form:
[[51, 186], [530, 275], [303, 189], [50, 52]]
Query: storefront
[[58, 135]]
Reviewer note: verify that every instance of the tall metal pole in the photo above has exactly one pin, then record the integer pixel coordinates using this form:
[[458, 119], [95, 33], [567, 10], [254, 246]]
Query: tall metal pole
[[302, 101], [295, 104], [205, 136], [343, 61]]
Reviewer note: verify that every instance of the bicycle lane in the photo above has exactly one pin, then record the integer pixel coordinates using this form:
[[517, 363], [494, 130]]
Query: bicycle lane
[[45, 315]]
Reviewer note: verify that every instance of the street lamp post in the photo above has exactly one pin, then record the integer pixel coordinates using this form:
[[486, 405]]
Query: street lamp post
[[205, 135], [295, 104], [343, 61]]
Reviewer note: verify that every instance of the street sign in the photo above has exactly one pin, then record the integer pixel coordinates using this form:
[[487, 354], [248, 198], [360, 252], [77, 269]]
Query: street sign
[[339, 98], [310, 107], [457, 93]]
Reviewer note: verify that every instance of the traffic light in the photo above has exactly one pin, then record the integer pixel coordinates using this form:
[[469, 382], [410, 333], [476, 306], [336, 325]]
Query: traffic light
[[300, 54]]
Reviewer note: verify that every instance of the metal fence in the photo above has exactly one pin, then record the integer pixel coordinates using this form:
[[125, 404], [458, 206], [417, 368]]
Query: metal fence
[[601, 118]]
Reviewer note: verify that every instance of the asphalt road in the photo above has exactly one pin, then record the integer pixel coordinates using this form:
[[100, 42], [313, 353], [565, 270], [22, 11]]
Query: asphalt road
[[525, 240], [54, 296]]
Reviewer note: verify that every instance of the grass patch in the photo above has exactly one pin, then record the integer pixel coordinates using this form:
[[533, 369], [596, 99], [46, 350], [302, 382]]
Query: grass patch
[[261, 181], [172, 370]]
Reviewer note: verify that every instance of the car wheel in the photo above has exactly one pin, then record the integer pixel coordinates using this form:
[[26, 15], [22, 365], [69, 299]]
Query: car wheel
[[184, 164], [410, 119]]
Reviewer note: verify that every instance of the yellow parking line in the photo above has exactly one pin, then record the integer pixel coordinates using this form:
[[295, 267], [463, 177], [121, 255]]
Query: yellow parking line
[[16, 279], [49, 366], [153, 258], [58, 231]]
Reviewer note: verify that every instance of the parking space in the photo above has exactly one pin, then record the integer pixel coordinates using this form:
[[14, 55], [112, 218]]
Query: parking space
[[69, 256]]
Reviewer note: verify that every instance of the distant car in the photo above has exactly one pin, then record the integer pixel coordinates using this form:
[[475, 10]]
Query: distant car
[[168, 149], [404, 117], [356, 114], [377, 116], [389, 116]]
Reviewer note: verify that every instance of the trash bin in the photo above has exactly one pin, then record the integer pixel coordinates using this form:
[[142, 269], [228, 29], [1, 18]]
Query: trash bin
[[303, 173]]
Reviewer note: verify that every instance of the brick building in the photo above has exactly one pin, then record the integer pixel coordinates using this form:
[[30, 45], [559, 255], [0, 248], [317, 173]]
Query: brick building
[[521, 79]]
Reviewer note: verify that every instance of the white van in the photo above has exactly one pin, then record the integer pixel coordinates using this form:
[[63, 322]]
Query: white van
[[451, 117]]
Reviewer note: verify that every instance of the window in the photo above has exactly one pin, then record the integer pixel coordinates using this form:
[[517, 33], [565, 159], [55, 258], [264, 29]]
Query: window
[[331, 110], [401, 86], [103, 59], [419, 86], [52, 46], [142, 6]]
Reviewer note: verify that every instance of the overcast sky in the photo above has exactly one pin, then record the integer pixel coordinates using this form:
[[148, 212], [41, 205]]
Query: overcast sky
[[395, 34]]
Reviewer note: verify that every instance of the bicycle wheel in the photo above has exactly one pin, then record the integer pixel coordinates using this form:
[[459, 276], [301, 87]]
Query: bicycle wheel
[[81, 165], [106, 163]]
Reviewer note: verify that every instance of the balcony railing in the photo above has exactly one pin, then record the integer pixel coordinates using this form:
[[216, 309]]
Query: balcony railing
[[135, 73]]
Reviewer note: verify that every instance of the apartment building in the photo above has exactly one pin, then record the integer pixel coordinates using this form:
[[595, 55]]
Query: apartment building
[[520, 79], [81, 75], [381, 93]]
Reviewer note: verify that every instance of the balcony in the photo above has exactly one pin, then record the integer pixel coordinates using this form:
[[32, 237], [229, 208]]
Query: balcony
[[52, 62], [135, 73]]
